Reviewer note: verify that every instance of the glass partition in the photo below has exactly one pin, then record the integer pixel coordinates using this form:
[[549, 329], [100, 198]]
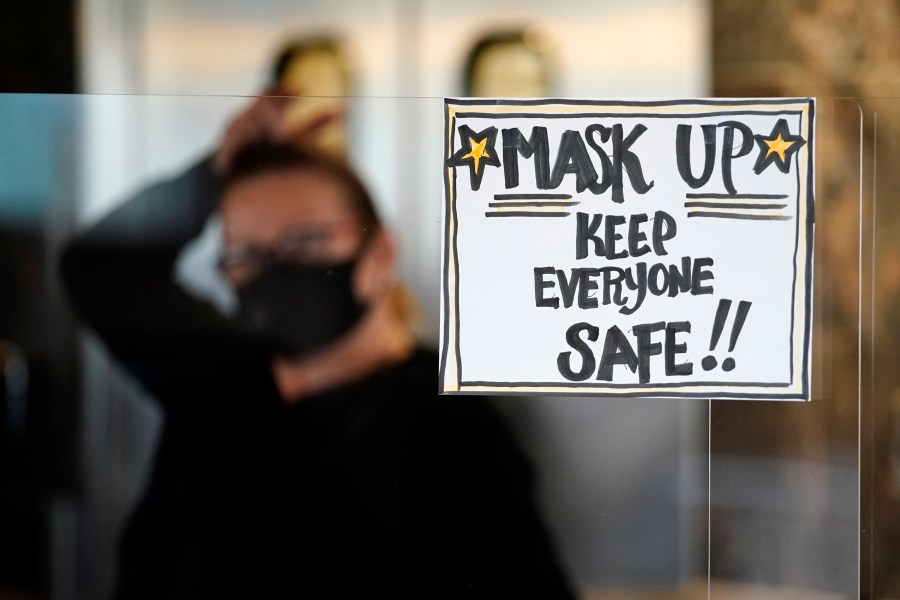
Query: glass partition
[[879, 426], [642, 498], [784, 506]]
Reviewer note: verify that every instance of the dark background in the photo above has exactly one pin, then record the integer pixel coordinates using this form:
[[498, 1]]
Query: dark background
[[38, 450]]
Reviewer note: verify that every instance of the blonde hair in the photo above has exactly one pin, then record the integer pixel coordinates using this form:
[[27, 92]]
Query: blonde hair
[[405, 306]]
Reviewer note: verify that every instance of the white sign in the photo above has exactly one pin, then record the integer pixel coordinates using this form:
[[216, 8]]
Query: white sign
[[628, 248]]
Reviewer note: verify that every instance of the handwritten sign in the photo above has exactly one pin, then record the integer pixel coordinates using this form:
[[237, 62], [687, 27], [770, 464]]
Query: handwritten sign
[[626, 248]]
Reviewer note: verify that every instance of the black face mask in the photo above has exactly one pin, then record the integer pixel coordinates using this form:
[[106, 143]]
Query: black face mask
[[299, 308]]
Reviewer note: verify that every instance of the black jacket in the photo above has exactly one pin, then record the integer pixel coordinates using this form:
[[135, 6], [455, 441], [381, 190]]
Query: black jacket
[[379, 489]]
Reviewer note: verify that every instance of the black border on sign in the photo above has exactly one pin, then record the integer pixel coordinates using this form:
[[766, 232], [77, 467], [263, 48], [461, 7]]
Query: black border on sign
[[608, 389]]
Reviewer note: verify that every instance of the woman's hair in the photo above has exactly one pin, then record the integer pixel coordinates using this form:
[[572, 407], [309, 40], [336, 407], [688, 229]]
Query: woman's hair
[[269, 157]]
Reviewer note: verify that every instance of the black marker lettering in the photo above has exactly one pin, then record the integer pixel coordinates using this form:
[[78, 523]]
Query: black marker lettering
[[573, 338], [636, 236], [683, 154], [541, 284], [657, 287], [585, 232], [573, 158], [647, 348], [636, 280], [567, 286], [613, 221], [616, 351], [605, 163], [700, 275], [680, 281], [662, 219], [587, 284], [581, 285], [537, 145], [612, 285], [673, 349], [727, 148], [625, 159]]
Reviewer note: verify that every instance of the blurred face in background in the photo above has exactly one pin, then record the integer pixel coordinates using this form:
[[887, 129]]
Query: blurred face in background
[[509, 70], [293, 248], [302, 213], [320, 75]]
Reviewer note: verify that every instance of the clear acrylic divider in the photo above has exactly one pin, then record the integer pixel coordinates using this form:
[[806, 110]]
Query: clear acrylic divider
[[643, 497]]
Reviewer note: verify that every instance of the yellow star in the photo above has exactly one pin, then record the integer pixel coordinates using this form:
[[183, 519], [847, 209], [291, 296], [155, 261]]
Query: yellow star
[[778, 146], [477, 151]]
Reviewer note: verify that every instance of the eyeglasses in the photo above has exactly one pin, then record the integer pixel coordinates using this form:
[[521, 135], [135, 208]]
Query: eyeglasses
[[240, 262]]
